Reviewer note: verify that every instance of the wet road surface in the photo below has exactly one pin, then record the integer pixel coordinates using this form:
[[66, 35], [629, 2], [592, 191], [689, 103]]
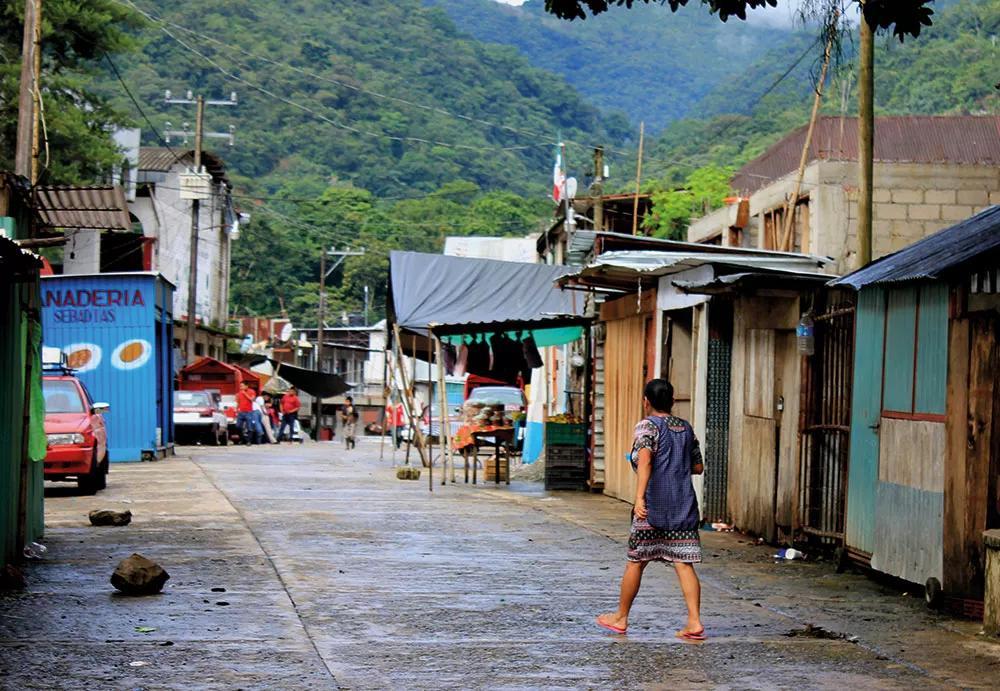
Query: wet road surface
[[314, 567]]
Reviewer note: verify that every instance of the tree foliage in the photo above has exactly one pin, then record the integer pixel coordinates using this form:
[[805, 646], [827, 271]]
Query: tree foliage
[[76, 34], [704, 190]]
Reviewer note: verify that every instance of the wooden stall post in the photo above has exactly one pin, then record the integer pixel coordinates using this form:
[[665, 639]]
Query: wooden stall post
[[385, 403], [430, 414], [445, 419], [418, 434]]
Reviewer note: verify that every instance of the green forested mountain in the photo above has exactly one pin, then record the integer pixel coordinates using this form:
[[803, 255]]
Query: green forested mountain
[[384, 94], [651, 63]]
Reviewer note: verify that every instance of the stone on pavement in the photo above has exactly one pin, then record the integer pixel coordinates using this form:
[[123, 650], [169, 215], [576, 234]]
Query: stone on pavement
[[407, 472], [110, 517], [137, 575]]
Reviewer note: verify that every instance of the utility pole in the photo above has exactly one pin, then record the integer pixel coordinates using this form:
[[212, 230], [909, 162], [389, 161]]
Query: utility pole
[[321, 313], [597, 189], [866, 129], [638, 179], [29, 88], [198, 188]]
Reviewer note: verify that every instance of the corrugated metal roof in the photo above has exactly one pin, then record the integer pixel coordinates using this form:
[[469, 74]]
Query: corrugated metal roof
[[625, 270], [102, 208], [162, 160], [968, 139], [945, 251]]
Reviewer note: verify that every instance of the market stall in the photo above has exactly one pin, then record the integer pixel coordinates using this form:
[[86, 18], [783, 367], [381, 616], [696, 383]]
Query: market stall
[[480, 317]]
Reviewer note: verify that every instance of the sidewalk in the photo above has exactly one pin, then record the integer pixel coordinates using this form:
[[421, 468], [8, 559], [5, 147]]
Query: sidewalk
[[337, 575]]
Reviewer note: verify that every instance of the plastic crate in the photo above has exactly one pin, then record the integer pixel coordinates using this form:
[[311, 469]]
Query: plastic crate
[[565, 434]]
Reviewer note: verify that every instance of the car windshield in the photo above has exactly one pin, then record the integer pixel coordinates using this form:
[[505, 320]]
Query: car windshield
[[507, 395], [62, 396], [191, 399]]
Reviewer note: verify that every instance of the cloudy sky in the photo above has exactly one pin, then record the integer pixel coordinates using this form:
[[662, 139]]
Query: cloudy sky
[[782, 15]]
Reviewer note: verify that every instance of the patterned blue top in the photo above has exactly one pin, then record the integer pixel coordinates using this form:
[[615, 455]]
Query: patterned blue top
[[670, 498]]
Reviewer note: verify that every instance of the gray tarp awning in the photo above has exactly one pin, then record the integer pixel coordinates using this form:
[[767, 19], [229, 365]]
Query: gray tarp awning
[[461, 295]]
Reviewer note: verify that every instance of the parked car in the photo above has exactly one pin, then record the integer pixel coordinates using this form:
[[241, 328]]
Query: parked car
[[76, 433], [199, 418]]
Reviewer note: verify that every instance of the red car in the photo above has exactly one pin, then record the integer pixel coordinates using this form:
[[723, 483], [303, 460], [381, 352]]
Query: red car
[[77, 436]]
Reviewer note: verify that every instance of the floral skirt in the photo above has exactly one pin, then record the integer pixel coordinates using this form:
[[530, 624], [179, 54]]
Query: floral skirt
[[646, 543]]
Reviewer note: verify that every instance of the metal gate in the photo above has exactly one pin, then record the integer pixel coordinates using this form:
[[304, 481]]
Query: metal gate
[[825, 420], [717, 418]]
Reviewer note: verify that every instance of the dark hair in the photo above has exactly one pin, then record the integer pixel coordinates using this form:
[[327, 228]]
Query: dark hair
[[660, 394], [349, 399]]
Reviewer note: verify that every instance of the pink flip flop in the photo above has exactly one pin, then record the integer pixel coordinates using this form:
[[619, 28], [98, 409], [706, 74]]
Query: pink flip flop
[[610, 627], [691, 635]]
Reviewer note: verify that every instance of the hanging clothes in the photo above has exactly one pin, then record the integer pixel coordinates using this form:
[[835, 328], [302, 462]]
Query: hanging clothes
[[479, 358], [450, 356], [531, 355], [508, 359], [462, 363]]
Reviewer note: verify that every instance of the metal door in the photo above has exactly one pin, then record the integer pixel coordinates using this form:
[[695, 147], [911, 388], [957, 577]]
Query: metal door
[[716, 442], [825, 421]]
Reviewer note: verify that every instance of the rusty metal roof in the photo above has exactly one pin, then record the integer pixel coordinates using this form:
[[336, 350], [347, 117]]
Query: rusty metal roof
[[968, 139], [162, 160], [102, 208], [944, 253]]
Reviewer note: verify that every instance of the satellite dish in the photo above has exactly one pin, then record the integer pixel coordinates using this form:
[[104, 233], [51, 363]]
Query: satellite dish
[[246, 343], [286, 332], [571, 188]]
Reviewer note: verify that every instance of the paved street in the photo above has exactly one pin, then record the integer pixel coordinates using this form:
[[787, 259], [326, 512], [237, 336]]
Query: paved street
[[310, 567]]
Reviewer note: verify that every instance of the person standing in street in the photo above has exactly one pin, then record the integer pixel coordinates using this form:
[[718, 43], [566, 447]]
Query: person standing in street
[[263, 418], [244, 412], [665, 518], [290, 405], [349, 419]]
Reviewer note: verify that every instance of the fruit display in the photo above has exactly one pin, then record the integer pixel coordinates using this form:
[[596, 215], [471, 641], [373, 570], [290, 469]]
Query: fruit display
[[565, 419]]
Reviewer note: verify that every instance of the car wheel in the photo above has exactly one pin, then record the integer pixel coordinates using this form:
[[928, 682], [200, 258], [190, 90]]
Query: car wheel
[[102, 473], [90, 483]]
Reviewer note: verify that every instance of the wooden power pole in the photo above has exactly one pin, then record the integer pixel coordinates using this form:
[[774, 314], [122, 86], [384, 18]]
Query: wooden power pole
[[192, 305], [866, 139], [29, 87], [638, 179], [598, 189]]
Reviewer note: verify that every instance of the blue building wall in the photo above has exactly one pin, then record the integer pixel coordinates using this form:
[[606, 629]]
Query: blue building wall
[[116, 332]]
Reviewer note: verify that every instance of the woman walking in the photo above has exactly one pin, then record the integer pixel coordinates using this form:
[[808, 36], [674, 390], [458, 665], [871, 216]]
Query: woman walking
[[665, 518]]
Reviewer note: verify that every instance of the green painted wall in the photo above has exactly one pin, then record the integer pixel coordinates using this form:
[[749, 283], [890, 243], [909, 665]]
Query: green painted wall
[[932, 349]]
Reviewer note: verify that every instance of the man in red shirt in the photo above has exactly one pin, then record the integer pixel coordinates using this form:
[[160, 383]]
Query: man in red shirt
[[244, 412], [290, 405]]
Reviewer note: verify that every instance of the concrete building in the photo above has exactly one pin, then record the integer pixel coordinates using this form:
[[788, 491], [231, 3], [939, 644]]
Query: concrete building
[[929, 172], [166, 221]]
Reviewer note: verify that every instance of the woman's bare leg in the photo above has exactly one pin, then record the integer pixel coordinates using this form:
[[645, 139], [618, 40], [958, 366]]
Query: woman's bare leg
[[691, 587], [631, 580]]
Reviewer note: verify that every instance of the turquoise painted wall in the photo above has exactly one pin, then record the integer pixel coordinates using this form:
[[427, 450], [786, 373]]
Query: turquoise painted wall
[[932, 349], [866, 408]]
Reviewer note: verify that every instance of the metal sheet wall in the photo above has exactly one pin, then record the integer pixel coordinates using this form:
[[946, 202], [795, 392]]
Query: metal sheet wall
[[117, 338], [866, 408], [717, 431], [13, 296]]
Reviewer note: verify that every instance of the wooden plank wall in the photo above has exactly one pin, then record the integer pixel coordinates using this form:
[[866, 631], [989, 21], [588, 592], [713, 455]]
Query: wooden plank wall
[[623, 382], [766, 366], [973, 458]]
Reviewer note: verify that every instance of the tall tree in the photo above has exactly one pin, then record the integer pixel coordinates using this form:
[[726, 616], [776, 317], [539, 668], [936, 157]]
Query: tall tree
[[76, 35]]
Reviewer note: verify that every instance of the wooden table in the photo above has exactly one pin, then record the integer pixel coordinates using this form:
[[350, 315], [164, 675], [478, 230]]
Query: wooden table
[[500, 435]]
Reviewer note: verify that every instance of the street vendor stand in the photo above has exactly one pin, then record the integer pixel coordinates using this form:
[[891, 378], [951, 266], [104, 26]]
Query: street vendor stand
[[435, 299]]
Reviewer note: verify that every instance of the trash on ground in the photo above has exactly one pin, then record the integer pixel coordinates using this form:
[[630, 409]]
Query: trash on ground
[[137, 575], [145, 629], [407, 472], [811, 631], [722, 527], [35, 551], [789, 554], [110, 517], [138, 663]]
